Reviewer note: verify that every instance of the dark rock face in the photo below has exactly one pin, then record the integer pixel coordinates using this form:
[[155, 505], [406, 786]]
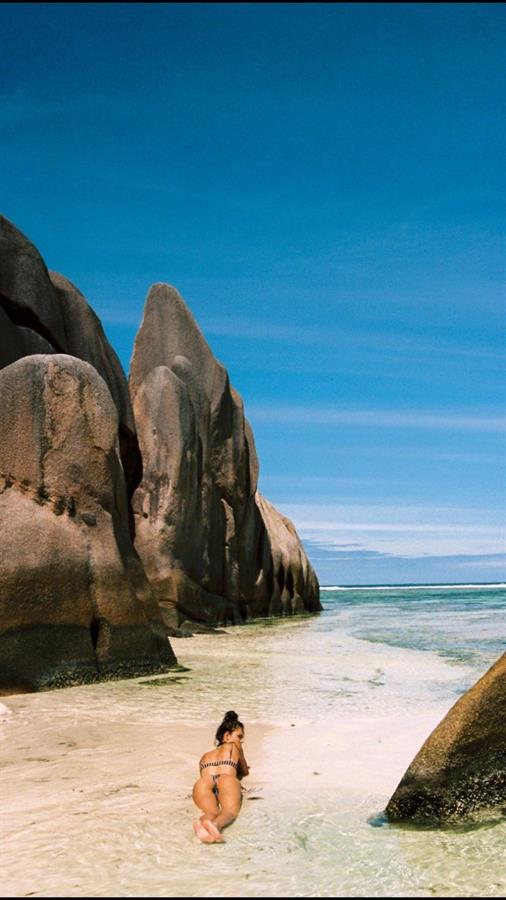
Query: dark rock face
[[460, 772], [75, 605], [213, 549], [26, 292], [16, 341], [48, 314]]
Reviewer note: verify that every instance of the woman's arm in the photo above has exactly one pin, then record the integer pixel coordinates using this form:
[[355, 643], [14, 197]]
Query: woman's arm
[[242, 765]]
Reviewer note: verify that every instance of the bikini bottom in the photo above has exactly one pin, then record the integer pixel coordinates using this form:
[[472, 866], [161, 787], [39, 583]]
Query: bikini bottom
[[215, 788]]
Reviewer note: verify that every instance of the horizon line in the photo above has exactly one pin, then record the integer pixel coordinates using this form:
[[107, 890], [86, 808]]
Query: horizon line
[[406, 584]]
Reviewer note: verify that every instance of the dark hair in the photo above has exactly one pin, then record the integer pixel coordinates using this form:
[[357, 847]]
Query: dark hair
[[230, 723]]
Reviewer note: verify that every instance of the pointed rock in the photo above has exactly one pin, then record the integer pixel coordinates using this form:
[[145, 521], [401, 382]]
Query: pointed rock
[[212, 551]]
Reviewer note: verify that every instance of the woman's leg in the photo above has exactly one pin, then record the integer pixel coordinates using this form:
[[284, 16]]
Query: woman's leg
[[230, 796], [205, 799]]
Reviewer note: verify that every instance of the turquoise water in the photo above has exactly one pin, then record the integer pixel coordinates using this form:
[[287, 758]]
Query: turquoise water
[[466, 623]]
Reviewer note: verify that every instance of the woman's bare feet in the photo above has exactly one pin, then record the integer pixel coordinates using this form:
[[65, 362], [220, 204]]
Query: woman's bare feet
[[212, 829], [202, 833]]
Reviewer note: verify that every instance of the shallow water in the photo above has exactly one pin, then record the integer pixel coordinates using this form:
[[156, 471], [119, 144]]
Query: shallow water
[[96, 781]]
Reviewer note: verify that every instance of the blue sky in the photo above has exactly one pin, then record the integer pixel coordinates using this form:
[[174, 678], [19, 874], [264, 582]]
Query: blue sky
[[324, 184]]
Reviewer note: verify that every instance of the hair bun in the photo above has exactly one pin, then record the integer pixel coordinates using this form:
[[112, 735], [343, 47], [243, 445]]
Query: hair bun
[[230, 723]]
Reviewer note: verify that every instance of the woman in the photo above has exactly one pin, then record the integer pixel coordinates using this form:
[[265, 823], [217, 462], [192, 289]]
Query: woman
[[218, 790]]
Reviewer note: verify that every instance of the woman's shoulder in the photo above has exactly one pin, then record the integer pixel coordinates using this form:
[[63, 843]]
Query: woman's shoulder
[[209, 755], [223, 751]]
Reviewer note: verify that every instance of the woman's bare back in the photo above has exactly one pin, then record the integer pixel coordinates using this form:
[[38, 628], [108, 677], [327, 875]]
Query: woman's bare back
[[223, 760]]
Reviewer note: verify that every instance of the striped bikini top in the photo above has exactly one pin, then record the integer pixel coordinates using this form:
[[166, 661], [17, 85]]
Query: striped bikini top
[[219, 762]]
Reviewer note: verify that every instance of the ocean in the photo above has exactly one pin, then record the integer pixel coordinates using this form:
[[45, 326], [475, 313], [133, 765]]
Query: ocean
[[96, 780]]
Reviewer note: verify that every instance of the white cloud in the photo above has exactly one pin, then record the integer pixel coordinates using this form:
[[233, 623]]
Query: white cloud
[[374, 418], [268, 331], [228, 326], [406, 532]]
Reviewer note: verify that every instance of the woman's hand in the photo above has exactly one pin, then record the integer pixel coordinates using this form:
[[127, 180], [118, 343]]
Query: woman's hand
[[242, 766]]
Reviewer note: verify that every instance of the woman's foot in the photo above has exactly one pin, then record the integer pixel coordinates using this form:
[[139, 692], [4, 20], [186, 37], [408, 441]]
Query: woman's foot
[[202, 833], [212, 829]]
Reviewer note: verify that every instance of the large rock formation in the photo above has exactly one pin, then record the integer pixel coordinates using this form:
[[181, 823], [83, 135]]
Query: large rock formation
[[213, 549], [75, 605], [47, 314], [460, 771], [75, 602]]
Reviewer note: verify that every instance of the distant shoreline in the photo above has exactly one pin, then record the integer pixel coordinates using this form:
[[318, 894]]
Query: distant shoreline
[[407, 585]]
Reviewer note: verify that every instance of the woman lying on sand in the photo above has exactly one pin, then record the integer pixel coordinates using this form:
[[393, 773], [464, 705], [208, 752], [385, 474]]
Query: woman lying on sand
[[218, 790]]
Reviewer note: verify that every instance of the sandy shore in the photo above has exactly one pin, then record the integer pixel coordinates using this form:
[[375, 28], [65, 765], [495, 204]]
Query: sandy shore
[[96, 781], [81, 759]]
